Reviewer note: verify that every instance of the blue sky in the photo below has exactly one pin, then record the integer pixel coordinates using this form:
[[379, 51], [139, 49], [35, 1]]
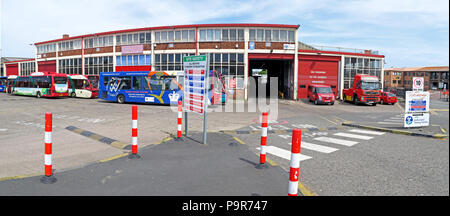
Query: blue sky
[[409, 33]]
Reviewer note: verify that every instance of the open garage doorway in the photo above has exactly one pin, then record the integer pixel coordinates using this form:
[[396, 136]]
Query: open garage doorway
[[282, 69]]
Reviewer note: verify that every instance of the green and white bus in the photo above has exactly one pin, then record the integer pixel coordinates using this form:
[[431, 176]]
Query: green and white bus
[[41, 84]]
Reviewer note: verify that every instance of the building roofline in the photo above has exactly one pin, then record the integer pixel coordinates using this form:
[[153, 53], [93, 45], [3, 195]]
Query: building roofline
[[339, 53], [172, 27], [17, 61]]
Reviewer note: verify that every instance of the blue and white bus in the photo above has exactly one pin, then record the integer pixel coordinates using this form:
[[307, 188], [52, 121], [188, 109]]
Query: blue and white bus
[[151, 87], [140, 87], [3, 81]]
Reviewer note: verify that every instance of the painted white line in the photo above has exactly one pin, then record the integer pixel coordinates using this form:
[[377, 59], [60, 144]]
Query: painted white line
[[353, 136], [336, 141], [282, 153], [315, 147], [393, 120], [366, 132], [390, 123], [3, 130]]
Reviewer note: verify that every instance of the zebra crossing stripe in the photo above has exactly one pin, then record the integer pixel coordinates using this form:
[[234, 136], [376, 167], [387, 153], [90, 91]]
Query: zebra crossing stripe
[[279, 152], [366, 132], [353, 136], [318, 148], [336, 141]]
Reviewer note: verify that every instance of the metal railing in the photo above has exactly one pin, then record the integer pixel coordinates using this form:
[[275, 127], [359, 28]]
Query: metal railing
[[303, 46]]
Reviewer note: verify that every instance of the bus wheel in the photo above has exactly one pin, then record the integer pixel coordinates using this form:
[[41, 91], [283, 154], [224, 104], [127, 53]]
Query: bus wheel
[[73, 94], [38, 94], [121, 99]]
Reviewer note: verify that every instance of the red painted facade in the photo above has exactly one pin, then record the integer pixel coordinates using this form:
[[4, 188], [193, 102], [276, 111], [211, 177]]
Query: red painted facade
[[317, 70], [49, 66], [12, 69]]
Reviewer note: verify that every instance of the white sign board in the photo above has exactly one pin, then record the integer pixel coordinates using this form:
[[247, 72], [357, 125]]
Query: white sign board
[[417, 101], [195, 83], [416, 120], [418, 83]]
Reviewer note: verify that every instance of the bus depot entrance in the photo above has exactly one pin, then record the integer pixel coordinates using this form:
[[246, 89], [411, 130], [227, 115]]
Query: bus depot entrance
[[261, 70]]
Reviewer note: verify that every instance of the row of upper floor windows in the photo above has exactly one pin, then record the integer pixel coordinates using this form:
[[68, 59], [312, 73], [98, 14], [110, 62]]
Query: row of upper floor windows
[[171, 36]]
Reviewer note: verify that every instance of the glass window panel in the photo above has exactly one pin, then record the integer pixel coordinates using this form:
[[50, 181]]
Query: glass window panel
[[184, 35], [163, 58], [170, 58], [268, 35], [136, 60], [142, 38], [177, 35], [130, 39], [232, 57], [217, 58], [217, 34], [232, 34], [157, 37], [148, 60], [148, 37], [209, 34], [291, 36], [141, 60], [177, 58], [157, 58], [170, 36], [129, 60], [240, 34], [124, 39], [135, 38], [202, 35], [241, 58], [283, 35], [252, 35], [260, 35], [225, 58], [275, 35], [191, 35], [163, 36], [225, 34]]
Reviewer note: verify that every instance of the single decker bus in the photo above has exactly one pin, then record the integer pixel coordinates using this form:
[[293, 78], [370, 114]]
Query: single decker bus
[[83, 87], [41, 84]]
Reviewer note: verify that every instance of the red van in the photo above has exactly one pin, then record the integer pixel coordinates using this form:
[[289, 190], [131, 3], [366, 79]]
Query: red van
[[321, 94]]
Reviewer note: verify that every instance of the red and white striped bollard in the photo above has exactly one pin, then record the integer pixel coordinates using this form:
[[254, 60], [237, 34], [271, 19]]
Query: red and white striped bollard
[[180, 120], [48, 177], [294, 171], [134, 133], [262, 156]]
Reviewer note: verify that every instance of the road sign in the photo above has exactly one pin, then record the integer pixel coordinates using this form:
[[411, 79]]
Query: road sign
[[195, 79], [416, 120], [417, 101], [418, 83], [196, 88]]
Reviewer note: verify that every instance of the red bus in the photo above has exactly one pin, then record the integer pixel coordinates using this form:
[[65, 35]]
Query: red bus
[[41, 84]]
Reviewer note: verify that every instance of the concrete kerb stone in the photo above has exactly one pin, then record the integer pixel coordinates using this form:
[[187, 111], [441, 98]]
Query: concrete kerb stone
[[394, 131]]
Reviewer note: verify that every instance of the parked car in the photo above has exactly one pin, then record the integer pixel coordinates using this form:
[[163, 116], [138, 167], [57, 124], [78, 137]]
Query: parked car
[[321, 94], [388, 98]]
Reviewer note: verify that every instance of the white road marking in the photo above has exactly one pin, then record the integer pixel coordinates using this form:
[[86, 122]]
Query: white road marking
[[282, 153], [3, 130], [353, 136], [366, 132], [336, 141], [318, 148]]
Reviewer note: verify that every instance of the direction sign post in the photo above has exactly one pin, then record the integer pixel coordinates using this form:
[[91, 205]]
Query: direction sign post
[[196, 88]]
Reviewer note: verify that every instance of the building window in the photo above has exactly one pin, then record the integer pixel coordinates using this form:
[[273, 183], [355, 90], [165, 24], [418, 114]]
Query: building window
[[48, 48], [170, 62], [354, 65], [230, 65], [69, 66], [182, 35], [134, 38], [96, 65], [26, 68], [221, 35]]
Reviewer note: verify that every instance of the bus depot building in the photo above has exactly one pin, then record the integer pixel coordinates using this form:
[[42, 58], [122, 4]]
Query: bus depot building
[[237, 51]]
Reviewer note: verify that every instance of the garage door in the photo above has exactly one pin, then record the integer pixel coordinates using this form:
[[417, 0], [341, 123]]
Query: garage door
[[317, 70]]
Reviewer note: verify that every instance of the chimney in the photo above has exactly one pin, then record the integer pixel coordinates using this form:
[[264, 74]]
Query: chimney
[[65, 36]]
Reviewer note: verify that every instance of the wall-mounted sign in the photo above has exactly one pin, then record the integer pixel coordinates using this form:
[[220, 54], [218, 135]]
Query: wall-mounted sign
[[289, 46], [251, 45], [133, 49]]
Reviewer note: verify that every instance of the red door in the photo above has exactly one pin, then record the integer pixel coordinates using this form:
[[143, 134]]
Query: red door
[[12, 69], [47, 66], [317, 70]]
